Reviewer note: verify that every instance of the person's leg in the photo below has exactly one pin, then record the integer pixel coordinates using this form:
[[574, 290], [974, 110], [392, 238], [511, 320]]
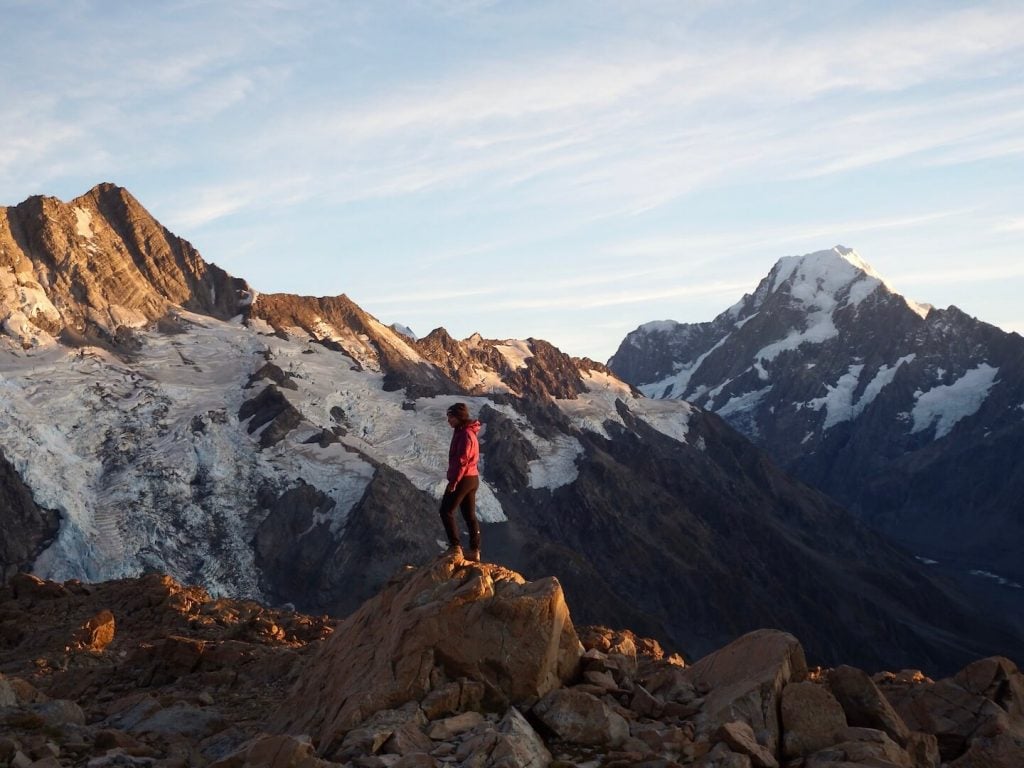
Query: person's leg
[[448, 503], [467, 506]]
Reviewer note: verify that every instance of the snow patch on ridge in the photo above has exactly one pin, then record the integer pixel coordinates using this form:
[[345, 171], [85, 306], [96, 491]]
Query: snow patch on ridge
[[516, 352], [83, 223], [675, 385], [743, 403], [839, 403], [947, 404], [595, 407]]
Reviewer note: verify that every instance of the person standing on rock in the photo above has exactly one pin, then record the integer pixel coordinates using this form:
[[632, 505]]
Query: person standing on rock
[[463, 481]]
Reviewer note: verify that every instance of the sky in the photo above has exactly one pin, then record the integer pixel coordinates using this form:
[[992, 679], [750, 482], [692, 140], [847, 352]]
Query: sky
[[560, 170]]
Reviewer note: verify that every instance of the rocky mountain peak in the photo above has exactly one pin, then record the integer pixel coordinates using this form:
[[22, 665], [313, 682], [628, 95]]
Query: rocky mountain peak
[[97, 264], [826, 281], [878, 400]]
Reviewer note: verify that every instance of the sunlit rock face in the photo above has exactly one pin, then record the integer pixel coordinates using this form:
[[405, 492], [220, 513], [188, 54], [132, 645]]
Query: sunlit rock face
[[909, 415], [292, 449]]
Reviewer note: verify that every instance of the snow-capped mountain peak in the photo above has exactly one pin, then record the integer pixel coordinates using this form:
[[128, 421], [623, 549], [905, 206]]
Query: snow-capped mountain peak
[[861, 392], [829, 279]]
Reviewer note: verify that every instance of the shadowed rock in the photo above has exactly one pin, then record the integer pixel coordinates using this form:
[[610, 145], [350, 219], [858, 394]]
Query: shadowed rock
[[434, 624]]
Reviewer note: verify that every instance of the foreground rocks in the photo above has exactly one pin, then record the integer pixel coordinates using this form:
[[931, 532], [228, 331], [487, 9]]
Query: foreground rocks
[[452, 664]]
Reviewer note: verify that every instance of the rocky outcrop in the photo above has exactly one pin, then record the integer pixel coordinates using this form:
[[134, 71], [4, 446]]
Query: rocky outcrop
[[303, 561], [744, 682], [530, 369], [453, 664], [137, 670], [450, 620], [980, 705], [99, 263], [271, 411], [338, 323], [27, 527]]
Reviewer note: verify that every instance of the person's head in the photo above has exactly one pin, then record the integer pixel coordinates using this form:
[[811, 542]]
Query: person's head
[[458, 415]]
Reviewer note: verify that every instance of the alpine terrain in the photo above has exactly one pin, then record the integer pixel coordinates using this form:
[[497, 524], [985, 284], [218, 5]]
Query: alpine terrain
[[909, 415], [159, 415]]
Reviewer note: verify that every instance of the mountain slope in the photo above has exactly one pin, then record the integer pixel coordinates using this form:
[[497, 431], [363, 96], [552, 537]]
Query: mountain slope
[[292, 449], [911, 416]]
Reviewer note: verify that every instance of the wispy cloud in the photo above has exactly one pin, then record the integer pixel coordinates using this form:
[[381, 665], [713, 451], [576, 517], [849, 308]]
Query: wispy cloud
[[480, 133]]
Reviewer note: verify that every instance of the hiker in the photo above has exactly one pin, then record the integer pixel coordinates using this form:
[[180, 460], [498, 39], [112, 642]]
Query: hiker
[[463, 480]]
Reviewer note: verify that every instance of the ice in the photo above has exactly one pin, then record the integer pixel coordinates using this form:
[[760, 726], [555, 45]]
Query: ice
[[945, 405], [659, 326], [592, 409], [675, 385], [744, 402], [515, 352], [83, 223], [839, 403]]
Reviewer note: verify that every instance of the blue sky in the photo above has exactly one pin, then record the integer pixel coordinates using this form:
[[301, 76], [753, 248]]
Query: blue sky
[[562, 170]]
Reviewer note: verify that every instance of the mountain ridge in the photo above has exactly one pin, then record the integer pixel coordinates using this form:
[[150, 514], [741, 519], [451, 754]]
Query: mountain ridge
[[293, 449], [862, 395]]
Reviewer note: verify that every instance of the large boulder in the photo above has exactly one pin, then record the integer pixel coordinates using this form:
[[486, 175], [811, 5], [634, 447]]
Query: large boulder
[[969, 713], [812, 719], [431, 625], [580, 717], [864, 704], [997, 679], [1002, 751], [744, 682]]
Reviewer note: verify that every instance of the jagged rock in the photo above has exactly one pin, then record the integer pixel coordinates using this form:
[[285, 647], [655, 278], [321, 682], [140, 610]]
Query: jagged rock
[[812, 719], [955, 716], [418, 760], [645, 704], [864, 704], [59, 712], [28, 528], [518, 745], [867, 746], [452, 619], [7, 695], [450, 727], [579, 717], [183, 720], [273, 752], [923, 749], [31, 589], [745, 682], [270, 407], [997, 679], [381, 728], [1002, 751], [407, 739], [97, 632], [740, 738], [721, 756]]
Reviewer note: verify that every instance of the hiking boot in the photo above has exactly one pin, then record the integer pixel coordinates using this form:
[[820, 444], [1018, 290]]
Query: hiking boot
[[454, 550], [473, 555]]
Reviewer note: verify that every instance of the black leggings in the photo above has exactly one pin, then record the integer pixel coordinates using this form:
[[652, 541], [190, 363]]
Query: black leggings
[[463, 497]]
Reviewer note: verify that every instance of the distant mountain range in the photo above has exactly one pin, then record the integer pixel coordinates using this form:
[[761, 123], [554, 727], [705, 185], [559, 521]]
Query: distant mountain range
[[157, 414], [910, 416]]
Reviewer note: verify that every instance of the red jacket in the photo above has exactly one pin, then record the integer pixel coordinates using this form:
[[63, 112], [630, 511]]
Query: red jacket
[[464, 453]]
